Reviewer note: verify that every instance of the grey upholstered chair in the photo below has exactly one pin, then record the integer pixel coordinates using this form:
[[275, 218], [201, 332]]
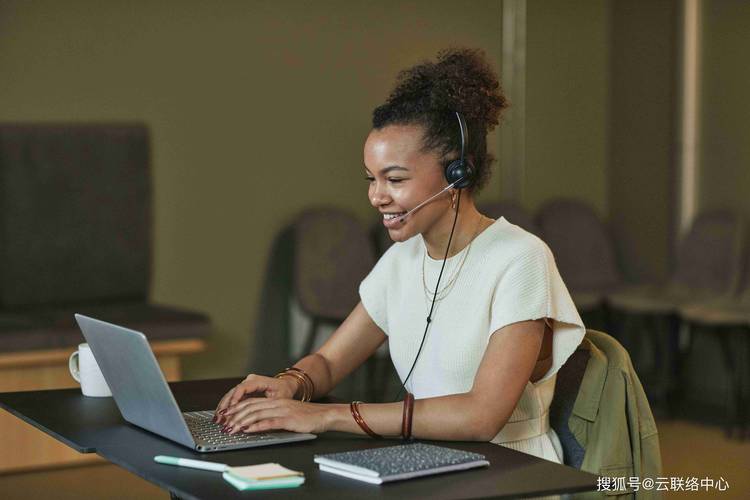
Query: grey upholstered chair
[[76, 235], [708, 264], [513, 213], [726, 319], [596, 410], [312, 284], [332, 255], [568, 382], [584, 254]]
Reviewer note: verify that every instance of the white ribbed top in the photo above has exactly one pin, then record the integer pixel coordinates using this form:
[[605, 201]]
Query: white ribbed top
[[508, 275]]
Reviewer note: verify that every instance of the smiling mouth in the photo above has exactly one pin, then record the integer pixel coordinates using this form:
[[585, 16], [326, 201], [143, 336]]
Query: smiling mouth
[[393, 216]]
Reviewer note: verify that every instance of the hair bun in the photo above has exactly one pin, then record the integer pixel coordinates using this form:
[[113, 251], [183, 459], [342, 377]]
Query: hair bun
[[461, 80], [430, 92]]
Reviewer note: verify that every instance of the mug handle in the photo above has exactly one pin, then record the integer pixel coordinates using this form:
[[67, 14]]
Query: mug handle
[[73, 367]]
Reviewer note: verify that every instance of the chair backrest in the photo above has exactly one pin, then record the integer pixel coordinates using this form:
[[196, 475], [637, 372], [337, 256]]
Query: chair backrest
[[569, 378], [75, 224], [332, 255], [582, 246], [709, 257], [572, 376], [513, 213]]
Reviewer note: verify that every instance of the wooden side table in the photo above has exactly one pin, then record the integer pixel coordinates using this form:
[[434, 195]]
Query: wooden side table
[[28, 449]]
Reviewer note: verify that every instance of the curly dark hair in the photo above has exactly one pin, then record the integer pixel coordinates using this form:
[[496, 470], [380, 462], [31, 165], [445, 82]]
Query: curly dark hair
[[430, 93]]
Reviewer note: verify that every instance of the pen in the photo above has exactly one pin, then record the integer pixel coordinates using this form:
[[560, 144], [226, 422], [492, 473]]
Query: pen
[[187, 462]]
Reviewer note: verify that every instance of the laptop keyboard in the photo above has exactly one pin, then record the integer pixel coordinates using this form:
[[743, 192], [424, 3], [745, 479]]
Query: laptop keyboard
[[203, 428]]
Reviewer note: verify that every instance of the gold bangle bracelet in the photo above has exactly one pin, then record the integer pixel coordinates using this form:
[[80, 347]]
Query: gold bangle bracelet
[[308, 380], [305, 387], [301, 384], [303, 381]]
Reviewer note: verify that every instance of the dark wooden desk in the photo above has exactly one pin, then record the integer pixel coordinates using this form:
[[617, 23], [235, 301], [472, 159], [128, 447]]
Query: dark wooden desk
[[94, 425]]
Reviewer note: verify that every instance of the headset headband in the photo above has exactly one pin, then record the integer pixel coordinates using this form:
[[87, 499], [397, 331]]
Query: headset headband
[[464, 135]]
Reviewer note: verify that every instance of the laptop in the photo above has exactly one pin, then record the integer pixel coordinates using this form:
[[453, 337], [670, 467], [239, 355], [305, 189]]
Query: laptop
[[144, 398]]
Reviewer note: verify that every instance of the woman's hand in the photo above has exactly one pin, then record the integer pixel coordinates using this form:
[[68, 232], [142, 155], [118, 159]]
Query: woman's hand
[[264, 414], [272, 388]]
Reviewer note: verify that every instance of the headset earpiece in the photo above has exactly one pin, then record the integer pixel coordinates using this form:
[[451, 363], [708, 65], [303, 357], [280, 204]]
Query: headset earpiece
[[461, 171]]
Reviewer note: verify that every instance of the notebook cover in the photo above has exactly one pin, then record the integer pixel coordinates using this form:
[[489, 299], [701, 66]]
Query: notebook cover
[[399, 462]]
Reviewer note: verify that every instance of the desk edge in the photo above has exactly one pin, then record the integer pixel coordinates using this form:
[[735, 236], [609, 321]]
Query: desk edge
[[47, 431]]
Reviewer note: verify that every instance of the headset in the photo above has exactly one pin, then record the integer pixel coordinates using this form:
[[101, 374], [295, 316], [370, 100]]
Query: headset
[[459, 174]]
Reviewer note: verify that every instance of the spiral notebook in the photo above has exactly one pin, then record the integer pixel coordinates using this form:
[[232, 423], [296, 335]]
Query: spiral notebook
[[395, 463]]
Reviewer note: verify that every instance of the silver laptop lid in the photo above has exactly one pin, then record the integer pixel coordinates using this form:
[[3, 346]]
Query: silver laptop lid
[[135, 379]]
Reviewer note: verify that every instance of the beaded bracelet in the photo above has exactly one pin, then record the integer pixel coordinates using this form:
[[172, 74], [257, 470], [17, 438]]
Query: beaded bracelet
[[354, 407]]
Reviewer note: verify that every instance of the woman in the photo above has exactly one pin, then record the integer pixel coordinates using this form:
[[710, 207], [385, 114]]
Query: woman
[[501, 322]]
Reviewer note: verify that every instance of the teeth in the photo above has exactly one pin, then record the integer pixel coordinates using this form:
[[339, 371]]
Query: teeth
[[392, 216]]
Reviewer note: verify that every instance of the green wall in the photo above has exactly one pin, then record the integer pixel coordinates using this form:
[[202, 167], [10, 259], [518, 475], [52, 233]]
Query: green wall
[[256, 109], [643, 104], [724, 159], [725, 107], [567, 81]]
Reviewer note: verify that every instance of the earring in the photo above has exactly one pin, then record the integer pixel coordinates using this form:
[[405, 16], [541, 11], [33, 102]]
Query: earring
[[453, 201]]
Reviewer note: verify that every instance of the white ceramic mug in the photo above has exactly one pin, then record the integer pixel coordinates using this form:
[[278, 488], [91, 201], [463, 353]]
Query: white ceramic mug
[[85, 370]]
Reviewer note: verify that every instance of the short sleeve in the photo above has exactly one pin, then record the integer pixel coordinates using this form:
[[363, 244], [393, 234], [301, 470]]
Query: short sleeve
[[531, 288], [373, 291]]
